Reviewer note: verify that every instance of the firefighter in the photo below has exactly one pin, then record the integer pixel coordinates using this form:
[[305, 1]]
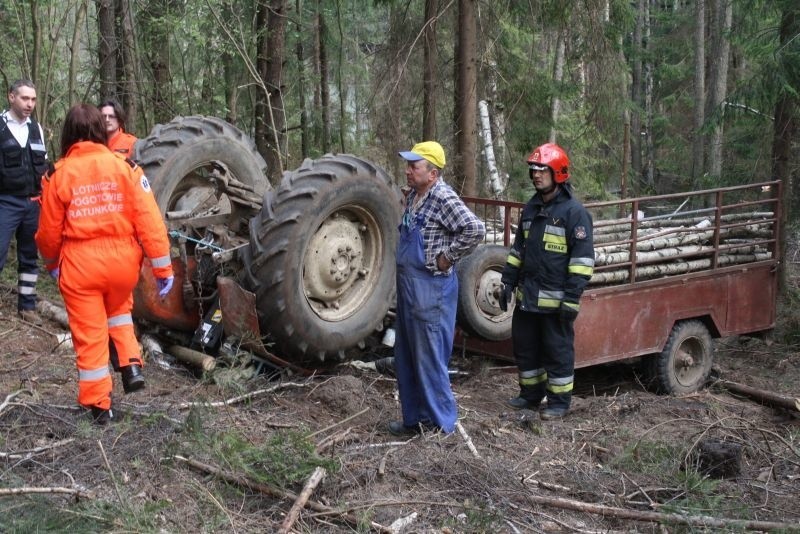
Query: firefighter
[[98, 213], [119, 140], [23, 161], [436, 230], [549, 265]]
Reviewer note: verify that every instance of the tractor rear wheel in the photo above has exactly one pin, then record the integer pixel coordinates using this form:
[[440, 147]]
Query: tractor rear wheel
[[321, 257]]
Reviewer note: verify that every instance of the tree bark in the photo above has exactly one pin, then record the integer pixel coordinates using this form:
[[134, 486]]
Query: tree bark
[[324, 87], [430, 71], [261, 105], [636, 90], [718, 84], [74, 53], [468, 99], [698, 115], [107, 46], [558, 78], [301, 83], [276, 44], [128, 62]]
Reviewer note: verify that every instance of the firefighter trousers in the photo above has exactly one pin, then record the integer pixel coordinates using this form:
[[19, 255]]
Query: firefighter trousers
[[97, 277], [544, 351]]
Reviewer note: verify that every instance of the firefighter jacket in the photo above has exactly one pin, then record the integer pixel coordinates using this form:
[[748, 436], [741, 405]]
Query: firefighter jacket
[[552, 258], [22, 167], [94, 193]]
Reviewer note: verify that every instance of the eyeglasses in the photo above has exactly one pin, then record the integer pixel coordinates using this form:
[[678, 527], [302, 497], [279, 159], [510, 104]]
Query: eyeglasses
[[109, 116]]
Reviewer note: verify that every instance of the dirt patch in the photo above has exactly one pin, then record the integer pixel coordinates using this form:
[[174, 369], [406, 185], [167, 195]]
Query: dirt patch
[[622, 453]]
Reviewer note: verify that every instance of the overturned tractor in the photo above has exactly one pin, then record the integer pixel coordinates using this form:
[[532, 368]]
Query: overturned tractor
[[303, 272]]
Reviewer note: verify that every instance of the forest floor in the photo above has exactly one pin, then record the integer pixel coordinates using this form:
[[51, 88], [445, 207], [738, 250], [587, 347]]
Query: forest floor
[[219, 454]]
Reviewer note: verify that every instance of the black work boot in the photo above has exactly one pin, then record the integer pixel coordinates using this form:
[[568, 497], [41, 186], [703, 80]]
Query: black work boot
[[101, 417], [132, 378], [521, 403]]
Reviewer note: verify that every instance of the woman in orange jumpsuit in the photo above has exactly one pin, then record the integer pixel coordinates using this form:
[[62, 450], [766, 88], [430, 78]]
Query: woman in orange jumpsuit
[[98, 214]]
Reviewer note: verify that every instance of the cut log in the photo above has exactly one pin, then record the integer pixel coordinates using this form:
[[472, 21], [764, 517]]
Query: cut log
[[762, 396]]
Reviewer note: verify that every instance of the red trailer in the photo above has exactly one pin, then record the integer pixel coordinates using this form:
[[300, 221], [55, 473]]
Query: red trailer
[[718, 277]]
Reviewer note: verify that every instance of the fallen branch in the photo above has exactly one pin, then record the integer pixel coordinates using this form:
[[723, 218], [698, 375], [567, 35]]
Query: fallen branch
[[468, 440], [28, 490], [241, 398], [659, 517], [312, 482], [765, 397], [276, 492], [334, 425], [11, 396], [32, 452]]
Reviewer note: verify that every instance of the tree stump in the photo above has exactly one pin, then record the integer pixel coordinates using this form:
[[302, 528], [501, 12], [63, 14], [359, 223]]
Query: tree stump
[[717, 458]]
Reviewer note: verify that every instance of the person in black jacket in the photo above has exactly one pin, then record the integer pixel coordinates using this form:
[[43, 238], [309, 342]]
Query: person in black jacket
[[548, 267], [23, 161]]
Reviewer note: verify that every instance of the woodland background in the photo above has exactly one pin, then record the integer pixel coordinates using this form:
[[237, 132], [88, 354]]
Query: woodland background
[[646, 96]]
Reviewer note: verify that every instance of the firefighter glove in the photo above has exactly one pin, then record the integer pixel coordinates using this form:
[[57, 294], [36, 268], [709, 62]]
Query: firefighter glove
[[164, 285], [567, 313], [55, 272], [505, 298]]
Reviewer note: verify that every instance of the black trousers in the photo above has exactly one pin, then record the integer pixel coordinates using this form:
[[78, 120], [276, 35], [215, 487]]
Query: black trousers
[[544, 351]]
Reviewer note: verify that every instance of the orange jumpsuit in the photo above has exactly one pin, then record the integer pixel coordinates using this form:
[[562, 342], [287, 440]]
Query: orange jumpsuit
[[122, 143], [97, 215]]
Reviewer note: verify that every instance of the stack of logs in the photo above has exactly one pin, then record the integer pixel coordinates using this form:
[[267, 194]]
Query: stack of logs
[[670, 246]]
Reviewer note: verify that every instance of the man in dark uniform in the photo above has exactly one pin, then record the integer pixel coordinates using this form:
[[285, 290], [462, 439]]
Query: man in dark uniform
[[549, 265], [23, 161]]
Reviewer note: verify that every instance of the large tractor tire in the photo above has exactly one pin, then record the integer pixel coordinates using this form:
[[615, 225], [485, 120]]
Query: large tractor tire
[[322, 257], [480, 291], [684, 365], [183, 159]]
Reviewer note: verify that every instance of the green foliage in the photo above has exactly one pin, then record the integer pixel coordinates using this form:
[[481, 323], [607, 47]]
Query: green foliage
[[477, 517], [653, 458], [284, 460]]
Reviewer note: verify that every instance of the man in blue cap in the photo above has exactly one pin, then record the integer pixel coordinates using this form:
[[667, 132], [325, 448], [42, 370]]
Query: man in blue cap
[[436, 230]]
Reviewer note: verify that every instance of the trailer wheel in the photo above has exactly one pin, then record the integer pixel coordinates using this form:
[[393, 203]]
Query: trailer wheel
[[189, 159], [322, 256], [480, 291], [685, 363]]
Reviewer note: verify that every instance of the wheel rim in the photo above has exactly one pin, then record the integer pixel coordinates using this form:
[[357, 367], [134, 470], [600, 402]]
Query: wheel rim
[[689, 362], [488, 293], [342, 262]]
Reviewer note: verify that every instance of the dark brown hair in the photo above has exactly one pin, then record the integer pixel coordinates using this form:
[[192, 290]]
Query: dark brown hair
[[118, 111], [83, 123]]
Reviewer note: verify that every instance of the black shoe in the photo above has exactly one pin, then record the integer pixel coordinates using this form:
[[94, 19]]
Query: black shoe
[[556, 412], [101, 417], [521, 403], [132, 378], [397, 428]]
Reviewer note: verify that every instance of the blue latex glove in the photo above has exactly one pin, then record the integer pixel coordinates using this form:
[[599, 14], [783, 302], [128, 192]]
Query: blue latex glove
[[55, 272], [164, 285]]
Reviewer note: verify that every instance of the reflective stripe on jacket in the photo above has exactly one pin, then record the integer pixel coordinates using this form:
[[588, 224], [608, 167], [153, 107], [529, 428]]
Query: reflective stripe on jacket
[[552, 258], [94, 193]]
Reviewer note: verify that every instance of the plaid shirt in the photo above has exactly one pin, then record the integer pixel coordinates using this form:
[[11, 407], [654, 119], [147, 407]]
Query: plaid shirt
[[447, 225]]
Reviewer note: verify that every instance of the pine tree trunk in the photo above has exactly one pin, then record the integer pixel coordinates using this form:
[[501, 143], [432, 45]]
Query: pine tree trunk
[[275, 48], [467, 103], [718, 84], [430, 72], [698, 115], [129, 61]]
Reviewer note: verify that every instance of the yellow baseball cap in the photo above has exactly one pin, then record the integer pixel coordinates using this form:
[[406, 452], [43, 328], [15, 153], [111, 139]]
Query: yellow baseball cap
[[430, 151]]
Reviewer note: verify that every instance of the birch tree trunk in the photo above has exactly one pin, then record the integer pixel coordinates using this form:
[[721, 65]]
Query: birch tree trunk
[[495, 182]]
